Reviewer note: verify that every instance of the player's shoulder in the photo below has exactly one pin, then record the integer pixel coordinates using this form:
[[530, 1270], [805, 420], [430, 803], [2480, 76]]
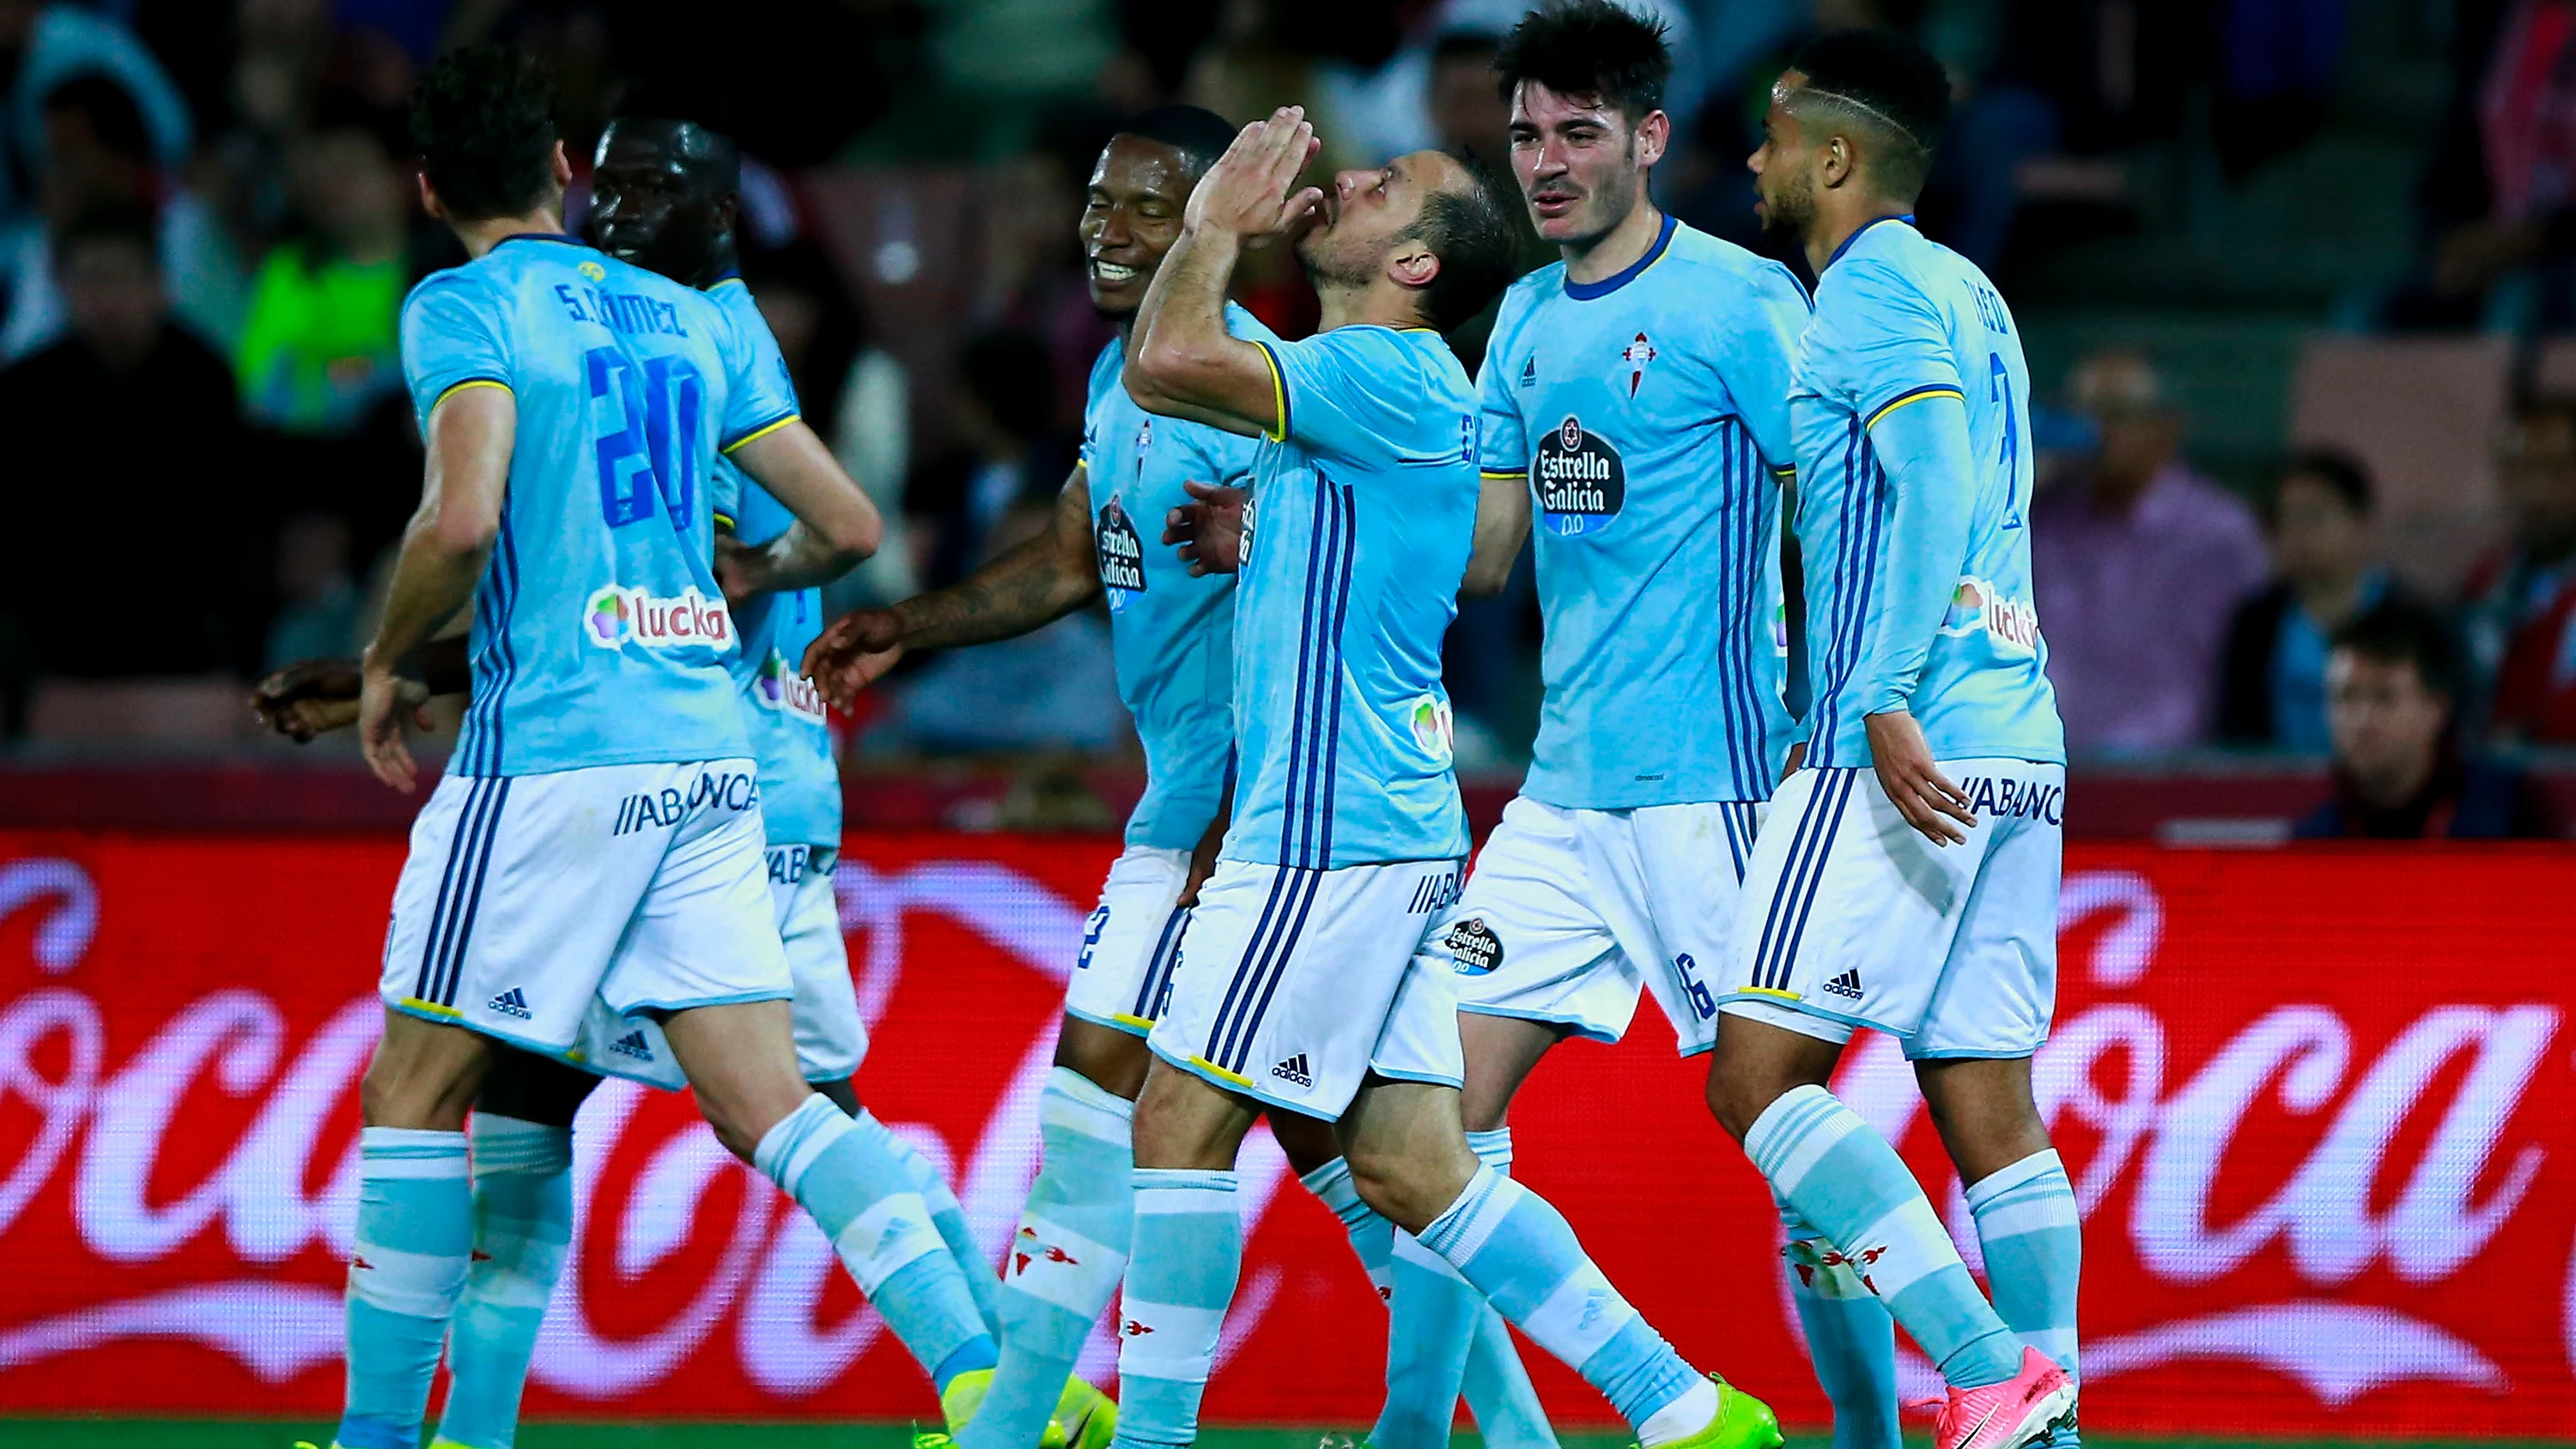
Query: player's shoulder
[[470, 285], [1720, 275], [1106, 364]]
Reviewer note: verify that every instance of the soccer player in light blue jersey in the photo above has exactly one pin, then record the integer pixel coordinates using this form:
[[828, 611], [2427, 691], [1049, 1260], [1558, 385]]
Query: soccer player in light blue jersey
[[1171, 628], [1907, 876], [1635, 399], [1299, 989], [597, 842]]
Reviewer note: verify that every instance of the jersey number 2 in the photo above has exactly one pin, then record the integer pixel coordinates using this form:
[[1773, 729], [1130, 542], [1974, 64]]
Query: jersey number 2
[[653, 451], [1999, 389]]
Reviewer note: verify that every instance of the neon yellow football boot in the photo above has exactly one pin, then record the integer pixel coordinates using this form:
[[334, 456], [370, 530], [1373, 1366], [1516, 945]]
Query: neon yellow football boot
[[1741, 1422], [1085, 1418]]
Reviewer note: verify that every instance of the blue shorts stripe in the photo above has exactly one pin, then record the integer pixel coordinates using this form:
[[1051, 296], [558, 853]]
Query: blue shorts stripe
[[1816, 877], [1801, 844], [1158, 966], [1227, 1048], [446, 884], [469, 833], [464, 924], [1234, 987], [1278, 972]]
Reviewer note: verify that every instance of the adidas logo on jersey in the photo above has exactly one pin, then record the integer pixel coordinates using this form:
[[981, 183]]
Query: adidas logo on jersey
[[1294, 1071], [631, 1045], [1845, 985], [1529, 371], [512, 1002]]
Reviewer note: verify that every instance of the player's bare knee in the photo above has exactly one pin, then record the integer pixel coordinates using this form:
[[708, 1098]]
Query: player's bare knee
[[422, 1077], [1308, 1142], [1112, 1060]]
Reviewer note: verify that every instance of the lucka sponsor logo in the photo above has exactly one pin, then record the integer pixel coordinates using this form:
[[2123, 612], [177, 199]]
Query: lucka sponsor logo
[[617, 616], [1977, 604], [781, 688]]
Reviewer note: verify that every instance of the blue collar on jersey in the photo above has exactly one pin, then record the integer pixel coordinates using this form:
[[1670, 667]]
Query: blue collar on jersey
[[543, 236], [1907, 218], [1590, 291]]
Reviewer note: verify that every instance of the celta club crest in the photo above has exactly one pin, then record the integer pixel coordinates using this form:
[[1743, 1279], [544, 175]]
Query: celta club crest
[[1637, 354], [1145, 435], [1570, 434]]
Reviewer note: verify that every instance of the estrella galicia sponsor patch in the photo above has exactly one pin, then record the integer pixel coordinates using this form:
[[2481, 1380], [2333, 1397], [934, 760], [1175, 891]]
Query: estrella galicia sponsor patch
[[1474, 947], [1580, 482], [1122, 554]]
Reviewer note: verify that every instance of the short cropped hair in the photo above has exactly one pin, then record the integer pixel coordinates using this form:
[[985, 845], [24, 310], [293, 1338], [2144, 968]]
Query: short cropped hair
[[677, 101], [483, 119], [1197, 133], [2399, 631], [1589, 48], [1888, 84], [2341, 472], [1470, 231]]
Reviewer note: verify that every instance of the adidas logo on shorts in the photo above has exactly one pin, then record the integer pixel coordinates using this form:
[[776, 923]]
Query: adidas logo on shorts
[[1846, 985], [1294, 1071], [512, 1002], [631, 1045]]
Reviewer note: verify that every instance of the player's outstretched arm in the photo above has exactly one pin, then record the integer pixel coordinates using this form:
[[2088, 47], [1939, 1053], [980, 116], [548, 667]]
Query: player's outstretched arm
[[313, 697], [1922, 441], [1181, 362], [836, 525], [1035, 582], [444, 548], [1502, 526]]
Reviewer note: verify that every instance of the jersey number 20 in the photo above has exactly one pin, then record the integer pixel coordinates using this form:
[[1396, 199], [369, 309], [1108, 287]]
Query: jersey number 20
[[1999, 389], [653, 452]]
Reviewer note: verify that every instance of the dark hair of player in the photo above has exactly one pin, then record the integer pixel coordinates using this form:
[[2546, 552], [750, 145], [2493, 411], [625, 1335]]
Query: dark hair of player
[[1197, 133], [1889, 86], [2341, 472], [1470, 231], [661, 100], [1589, 48], [2397, 631], [124, 223], [113, 116], [483, 119]]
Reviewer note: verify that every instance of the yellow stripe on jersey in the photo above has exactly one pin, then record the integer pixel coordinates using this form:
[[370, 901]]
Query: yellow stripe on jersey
[[469, 382], [757, 434], [1278, 430], [1501, 473], [725, 522], [1909, 399]]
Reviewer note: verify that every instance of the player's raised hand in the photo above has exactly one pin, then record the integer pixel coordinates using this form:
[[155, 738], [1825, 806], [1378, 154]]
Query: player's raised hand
[[1208, 529], [1248, 191], [1923, 795], [855, 652], [380, 720]]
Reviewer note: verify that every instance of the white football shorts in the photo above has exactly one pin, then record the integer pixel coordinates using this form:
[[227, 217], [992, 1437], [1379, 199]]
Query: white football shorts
[[1570, 913], [1130, 941], [526, 899], [1294, 985], [1852, 918]]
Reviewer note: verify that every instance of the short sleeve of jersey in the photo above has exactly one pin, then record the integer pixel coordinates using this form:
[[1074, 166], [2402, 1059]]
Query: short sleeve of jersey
[[1347, 394], [454, 336], [1502, 435], [761, 398], [1219, 457], [1104, 376], [1888, 344], [1755, 347]]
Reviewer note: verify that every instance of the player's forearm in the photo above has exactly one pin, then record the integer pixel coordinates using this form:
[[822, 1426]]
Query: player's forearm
[[1032, 584], [1930, 468], [434, 577], [802, 558], [1502, 526]]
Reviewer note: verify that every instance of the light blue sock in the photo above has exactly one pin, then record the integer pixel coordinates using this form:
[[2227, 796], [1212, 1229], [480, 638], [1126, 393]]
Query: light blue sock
[[522, 1230], [1523, 1256], [2034, 1246], [948, 1215], [1188, 1253], [415, 1234], [1847, 1183], [1850, 1337], [1065, 1260], [1498, 1388], [845, 1173]]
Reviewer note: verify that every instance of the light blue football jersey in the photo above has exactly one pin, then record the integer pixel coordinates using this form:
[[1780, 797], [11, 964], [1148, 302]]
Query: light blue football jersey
[[1363, 513], [1650, 413], [600, 635], [1172, 635], [800, 785], [1921, 603]]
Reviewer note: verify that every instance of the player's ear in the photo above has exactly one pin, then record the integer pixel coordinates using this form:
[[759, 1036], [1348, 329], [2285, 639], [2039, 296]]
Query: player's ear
[[1413, 263], [429, 201], [562, 167], [1654, 136], [1835, 160]]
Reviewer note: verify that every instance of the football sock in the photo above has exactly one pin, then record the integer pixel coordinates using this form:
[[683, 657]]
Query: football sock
[[1522, 1255], [2034, 1247], [1065, 1259], [1850, 1337], [415, 1233], [948, 1216], [1499, 1392], [1848, 1184], [1189, 1251], [844, 1172], [522, 1176]]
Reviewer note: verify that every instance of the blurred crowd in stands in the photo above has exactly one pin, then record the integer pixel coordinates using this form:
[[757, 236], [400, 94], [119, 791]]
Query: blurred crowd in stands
[[208, 222]]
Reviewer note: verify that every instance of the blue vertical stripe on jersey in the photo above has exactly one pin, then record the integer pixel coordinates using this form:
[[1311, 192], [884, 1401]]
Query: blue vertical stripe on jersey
[[1158, 967], [480, 734], [1300, 765], [1733, 817], [1749, 630], [1348, 513], [1824, 623], [1857, 557], [1731, 588]]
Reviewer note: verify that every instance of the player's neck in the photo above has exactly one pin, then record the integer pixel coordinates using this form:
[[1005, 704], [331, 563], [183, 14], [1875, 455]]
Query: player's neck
[[1616, 250], [1839, 223], [480, 237], [1382, 303]]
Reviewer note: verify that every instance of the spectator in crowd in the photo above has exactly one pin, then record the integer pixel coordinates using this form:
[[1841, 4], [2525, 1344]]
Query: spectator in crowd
[[132, 410], [318, 601], [1005, 450], [2272, 684], [99, 152], [41, 47], [2392, 683], [2137, 561], [2498, 198], [2522, 610], [320, 347]]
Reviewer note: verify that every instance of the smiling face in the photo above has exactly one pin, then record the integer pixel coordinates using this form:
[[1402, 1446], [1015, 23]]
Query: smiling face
[[1582, 167], [1784, 166], [1130, 218], [1368, 217], [662, 197]]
